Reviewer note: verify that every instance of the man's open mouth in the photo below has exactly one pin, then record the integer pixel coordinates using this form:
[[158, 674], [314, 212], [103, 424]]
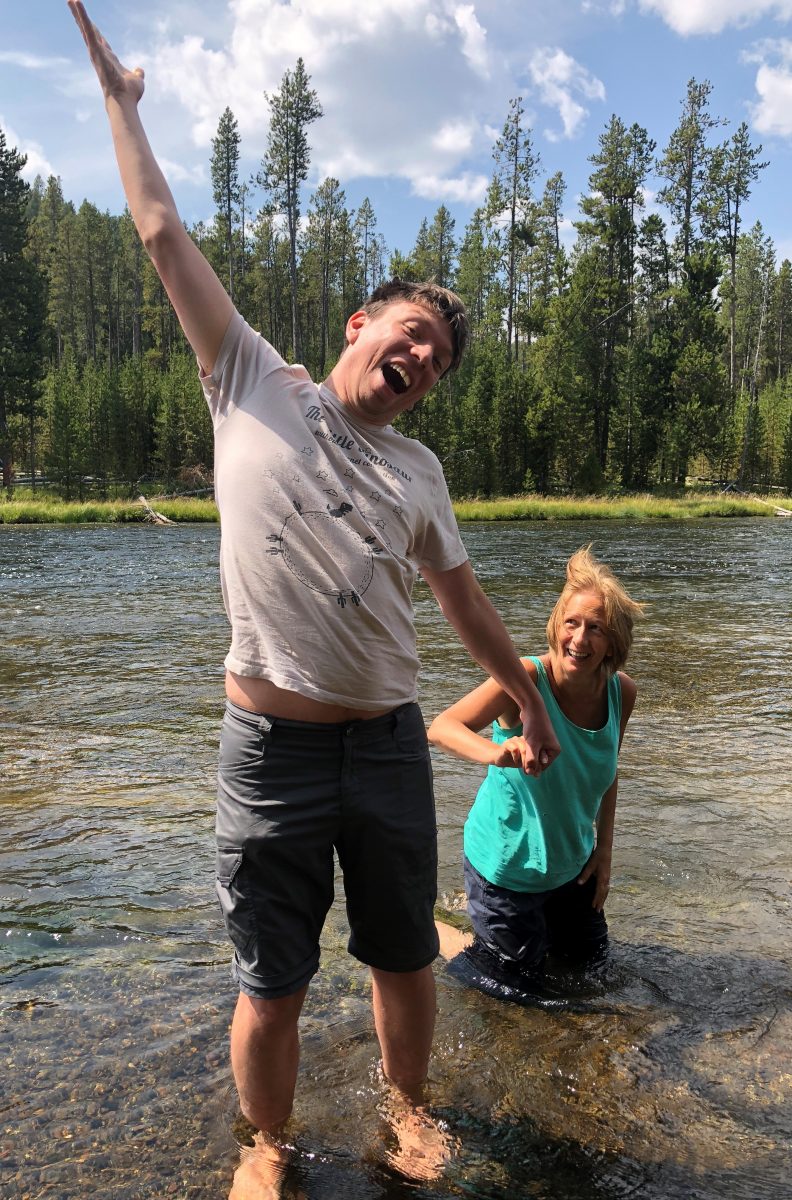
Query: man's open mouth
[[396, 378]]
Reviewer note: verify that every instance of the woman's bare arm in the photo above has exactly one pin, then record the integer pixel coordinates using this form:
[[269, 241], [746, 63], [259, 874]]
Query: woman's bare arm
[[456, 728]]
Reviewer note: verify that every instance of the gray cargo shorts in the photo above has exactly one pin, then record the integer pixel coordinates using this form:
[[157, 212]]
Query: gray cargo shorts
[[289, 792]]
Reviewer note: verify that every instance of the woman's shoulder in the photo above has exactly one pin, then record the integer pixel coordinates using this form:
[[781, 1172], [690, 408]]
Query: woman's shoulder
[[629, 691], [510, 718], [628, 686], [530, 666]]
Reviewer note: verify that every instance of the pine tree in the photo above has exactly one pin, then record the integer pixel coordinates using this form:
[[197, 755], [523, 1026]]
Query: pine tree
[[734, 166], [781, 320], [284, 168], [549, 259], [226, 187], [476, 278], [510, 205], [21, 306], [616, 191], [442, 248], [366, 232], [324, 215], [65, 450], [686, 165], [421, 254]]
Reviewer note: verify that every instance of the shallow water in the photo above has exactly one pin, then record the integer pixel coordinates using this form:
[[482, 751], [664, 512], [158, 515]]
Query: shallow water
[[668, 1077]]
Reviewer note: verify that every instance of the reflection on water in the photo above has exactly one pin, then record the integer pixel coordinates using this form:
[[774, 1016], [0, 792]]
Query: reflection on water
[[668, 1077]]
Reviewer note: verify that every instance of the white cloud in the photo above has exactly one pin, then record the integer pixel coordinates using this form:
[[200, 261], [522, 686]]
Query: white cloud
[[455, 137], [614, 8], [467, 188], [399, 83], [177, 173], [31, 62], [712, 16], [557, 76], [650, 202], [474, 39], [37, 163], [772, 112], [567, 232]]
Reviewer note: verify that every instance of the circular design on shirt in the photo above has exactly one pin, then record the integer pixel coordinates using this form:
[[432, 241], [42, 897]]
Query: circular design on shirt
[[343, 551]]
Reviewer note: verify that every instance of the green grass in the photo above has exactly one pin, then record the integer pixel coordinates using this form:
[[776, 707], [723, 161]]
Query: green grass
[[72, 512], [49, 510], [629, 508]]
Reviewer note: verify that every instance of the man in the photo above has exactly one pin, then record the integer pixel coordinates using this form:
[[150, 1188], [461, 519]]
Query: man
[[327, 515]]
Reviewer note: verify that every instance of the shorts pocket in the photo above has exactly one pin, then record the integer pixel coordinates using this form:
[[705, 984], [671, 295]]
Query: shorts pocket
[[410, 734], [242, 747], [235, 902]]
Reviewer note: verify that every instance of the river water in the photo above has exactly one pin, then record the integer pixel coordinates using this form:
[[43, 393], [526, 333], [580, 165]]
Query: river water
[[669, 1077]]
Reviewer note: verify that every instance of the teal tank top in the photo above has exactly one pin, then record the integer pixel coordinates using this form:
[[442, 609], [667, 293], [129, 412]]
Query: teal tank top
[[531, 835]]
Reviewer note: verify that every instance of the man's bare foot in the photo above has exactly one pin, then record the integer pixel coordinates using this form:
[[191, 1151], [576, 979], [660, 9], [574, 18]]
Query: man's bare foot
[[452, 941], [262, 1171], [423, 1149]]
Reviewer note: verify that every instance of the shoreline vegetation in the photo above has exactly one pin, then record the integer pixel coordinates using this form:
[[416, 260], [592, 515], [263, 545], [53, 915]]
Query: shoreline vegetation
[[645, 507]]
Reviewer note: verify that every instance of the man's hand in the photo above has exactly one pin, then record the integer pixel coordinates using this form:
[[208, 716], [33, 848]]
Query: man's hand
[[598, 865], [540, 744], [115, 79]]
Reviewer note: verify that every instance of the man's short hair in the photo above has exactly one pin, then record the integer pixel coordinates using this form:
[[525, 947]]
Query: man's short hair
[[430, 295]]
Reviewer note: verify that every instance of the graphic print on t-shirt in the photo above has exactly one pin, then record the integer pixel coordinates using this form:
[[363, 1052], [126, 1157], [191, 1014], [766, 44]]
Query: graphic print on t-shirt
[[311, 561]]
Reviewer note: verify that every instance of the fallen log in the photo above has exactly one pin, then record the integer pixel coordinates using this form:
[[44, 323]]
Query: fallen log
[[151, 515]]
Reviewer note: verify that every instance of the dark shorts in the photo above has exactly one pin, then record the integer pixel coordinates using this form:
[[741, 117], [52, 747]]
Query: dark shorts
[[518, 929], [289, 792]]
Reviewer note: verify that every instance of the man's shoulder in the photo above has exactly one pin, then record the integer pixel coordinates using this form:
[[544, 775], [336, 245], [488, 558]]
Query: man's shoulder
[[247, 343], [415, 449]]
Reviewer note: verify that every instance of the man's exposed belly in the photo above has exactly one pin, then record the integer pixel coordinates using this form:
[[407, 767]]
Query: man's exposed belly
[[261, 696]]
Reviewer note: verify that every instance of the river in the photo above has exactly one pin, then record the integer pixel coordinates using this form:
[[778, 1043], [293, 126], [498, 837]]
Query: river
[[668, 1078]]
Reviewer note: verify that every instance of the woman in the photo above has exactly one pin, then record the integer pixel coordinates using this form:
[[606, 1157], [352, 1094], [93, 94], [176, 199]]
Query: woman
[[538, 849]]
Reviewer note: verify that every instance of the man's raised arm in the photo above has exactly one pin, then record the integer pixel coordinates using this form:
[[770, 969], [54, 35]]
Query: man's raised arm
[[201, 302]]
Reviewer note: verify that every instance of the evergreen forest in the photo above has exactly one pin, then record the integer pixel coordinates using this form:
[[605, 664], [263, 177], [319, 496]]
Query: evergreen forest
[[653, 348]]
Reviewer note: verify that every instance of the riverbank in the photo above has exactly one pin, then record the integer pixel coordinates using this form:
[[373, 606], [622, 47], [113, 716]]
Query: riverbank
[[51, 511]]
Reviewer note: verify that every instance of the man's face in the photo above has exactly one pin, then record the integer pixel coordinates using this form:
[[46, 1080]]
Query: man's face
[[392, 360]]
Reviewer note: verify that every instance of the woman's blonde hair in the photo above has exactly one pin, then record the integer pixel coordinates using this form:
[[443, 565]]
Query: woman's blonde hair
[[584, 573]]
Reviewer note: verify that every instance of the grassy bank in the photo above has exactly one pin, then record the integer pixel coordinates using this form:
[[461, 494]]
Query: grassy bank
[[625, 508], [51, 511], [30, 511]]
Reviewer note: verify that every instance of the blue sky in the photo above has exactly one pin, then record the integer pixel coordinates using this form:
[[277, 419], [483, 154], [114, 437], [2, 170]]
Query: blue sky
[[414, 91]]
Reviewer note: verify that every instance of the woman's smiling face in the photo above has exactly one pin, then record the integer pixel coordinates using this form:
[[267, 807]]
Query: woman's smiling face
[[583, 641]]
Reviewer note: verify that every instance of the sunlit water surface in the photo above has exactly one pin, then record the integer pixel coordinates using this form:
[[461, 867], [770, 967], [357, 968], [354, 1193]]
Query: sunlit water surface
[[668, 1077]]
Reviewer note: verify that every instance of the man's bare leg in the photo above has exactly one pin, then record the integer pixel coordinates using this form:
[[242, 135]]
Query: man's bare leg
[[404, 1015], [265, 1053], [405, 1007]]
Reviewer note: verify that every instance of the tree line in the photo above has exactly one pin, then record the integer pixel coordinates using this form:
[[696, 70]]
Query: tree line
[[656, 347]]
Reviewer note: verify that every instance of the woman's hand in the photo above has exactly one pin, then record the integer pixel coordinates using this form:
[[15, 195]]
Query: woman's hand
[[510, 753], [598, 865], [115, 78]]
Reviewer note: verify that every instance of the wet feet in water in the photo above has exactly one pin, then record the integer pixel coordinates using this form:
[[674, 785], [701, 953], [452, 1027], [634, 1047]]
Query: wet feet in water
[[423, 1148], [261, 1174]]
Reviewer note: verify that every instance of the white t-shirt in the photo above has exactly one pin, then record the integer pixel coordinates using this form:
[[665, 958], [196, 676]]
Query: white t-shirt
[[325, 522]]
